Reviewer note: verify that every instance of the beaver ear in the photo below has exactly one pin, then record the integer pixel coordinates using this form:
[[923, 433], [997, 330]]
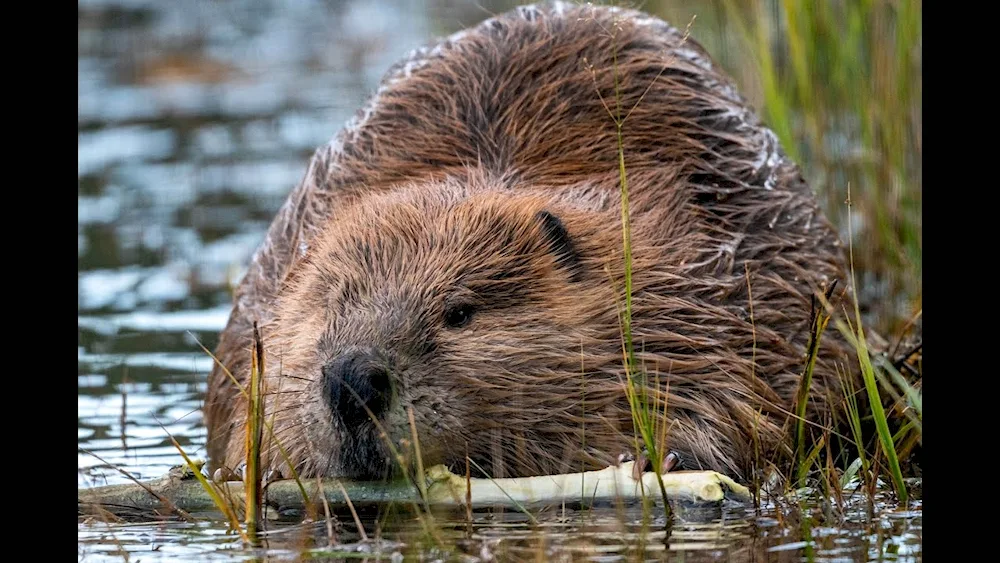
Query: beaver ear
[[560, 244]]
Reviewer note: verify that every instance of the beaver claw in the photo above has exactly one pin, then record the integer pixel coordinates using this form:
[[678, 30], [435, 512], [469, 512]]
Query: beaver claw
[[224, 474], [643, 463]]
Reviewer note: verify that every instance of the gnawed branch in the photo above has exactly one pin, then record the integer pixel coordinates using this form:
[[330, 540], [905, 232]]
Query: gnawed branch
[[613, 484]]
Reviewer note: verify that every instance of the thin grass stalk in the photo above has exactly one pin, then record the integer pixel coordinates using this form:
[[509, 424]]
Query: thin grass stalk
[[643, 419], [854, 423], [776, 107], [166, 501], [809, 460], [830, 474], [906, 439], [272, 441], [420, 481], [753, 374], [354, 513], [817, 325], [878, 413], [799, 33], [254, 432], [468, 492], [907, 394], [518, 505], [326, 512]]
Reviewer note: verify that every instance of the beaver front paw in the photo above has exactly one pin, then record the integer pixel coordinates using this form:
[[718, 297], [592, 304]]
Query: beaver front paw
[[643, 464], [223, 474]]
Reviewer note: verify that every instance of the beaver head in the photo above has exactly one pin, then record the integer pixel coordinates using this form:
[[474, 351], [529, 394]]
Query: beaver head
[[476, 309]]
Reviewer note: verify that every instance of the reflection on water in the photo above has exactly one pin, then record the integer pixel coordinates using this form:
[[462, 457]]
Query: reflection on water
[[601, 535], [195, 120]]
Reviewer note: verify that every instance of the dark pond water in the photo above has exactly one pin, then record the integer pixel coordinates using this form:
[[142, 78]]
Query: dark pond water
[[195, 120]]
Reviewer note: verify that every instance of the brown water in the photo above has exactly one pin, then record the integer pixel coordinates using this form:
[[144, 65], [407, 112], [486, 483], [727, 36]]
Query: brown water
[[195, 120]]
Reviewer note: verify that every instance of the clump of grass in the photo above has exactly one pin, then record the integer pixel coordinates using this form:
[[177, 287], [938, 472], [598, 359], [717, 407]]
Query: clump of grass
[[256, 422], [268, 424], [840, 85], [856, 336], [874, 382]]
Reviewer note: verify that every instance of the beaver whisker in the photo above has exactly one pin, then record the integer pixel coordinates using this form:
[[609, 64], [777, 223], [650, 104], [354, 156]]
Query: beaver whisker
[[292, 426], [270, 393], [291, 408], [296, 377]]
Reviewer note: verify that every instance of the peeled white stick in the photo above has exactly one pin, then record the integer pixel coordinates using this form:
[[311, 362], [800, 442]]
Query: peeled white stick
[[609, 484], [444, 488]]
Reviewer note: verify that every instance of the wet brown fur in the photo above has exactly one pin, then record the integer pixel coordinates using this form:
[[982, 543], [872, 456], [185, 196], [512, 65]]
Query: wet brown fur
[[434, 193]]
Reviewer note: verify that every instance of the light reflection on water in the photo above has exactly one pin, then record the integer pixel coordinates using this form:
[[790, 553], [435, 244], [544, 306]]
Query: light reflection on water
[[195, 119]]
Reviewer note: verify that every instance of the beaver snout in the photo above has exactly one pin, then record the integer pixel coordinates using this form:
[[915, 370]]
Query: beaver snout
[[355, 383]]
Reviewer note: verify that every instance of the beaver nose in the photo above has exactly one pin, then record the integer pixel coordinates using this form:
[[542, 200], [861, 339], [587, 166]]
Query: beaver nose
[[366, 377]]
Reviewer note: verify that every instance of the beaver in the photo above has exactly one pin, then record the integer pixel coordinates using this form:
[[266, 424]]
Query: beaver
[[456, 252]]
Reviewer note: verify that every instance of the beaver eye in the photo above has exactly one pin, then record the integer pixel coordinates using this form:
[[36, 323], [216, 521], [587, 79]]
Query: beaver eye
[[458, 315]]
